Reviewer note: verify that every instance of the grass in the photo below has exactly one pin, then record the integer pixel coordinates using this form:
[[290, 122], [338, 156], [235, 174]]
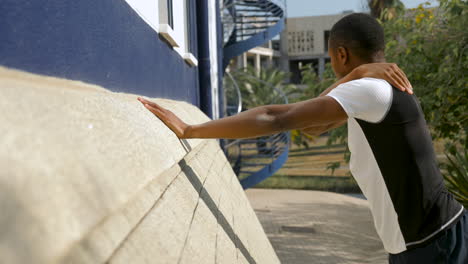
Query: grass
[[338, 184], [306, 169]]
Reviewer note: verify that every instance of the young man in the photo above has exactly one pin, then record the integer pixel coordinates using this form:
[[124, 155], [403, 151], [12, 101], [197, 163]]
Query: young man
[[392, 157]]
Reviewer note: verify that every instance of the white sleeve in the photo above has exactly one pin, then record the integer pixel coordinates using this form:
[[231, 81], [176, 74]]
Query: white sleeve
[[368, 99]]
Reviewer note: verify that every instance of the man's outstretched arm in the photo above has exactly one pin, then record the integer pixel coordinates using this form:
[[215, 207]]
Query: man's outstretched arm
[[258, 121], [319, 130], [270, 119]]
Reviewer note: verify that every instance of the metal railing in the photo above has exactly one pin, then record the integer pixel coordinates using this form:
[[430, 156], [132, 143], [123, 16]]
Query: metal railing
[[255, 159], [250, 23], [231, 89]]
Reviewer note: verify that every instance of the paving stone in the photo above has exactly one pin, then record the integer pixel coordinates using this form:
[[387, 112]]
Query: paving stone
[[317, 227]]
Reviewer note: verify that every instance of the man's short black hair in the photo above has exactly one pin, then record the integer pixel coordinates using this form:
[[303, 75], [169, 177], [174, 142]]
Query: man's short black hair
[[360, 33]]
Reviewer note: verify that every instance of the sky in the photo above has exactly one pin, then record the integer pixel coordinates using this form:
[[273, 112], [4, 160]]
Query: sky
[[296, 8]]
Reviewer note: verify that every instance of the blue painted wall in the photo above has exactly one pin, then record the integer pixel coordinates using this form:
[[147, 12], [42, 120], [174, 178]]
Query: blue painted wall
[[102, 42]]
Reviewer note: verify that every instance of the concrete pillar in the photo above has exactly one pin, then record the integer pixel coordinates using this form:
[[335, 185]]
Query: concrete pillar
[[257, 64], [321, 67], [242, 61], [284, 57]]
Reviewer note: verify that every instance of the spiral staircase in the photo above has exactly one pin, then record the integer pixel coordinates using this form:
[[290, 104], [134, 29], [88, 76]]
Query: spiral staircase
[[248, 24]]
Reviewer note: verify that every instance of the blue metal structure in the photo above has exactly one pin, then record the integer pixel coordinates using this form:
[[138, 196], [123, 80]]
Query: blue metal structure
[[256, 159], [252, 23], [248, 24]]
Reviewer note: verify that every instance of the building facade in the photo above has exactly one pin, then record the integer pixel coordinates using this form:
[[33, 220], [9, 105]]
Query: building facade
[[167, 48], [305, 41], [264, 56]]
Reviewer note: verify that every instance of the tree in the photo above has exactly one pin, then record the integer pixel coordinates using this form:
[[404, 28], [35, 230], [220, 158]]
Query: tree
[[431, 46], [377, 8], [262, 88], [265, 87]]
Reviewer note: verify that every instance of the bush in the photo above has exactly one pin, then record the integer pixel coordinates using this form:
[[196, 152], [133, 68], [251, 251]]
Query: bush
[[456, 174], [431, 46]]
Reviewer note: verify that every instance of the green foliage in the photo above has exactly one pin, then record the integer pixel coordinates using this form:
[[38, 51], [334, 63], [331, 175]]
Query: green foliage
[[431, 46], [333, 166], [301, 139], [385, 9], [314, 85], [265, 87], [456, 174]]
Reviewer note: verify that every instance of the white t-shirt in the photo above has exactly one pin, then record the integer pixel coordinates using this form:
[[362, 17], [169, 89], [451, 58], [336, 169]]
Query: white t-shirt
[[368, 99]]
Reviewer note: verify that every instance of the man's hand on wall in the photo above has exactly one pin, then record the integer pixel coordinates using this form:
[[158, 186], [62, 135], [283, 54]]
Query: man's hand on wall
[[178, 126]]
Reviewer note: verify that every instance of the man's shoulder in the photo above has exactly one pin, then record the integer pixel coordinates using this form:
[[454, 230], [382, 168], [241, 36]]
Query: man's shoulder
[[367, 82], [368, 98], [366, 89]]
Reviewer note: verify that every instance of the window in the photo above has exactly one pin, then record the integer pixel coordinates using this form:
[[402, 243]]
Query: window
[[326, 36], [190, 32], [301, 41], [167, 21], [170, 16], [175, 20], [188, 24], [147, 10], [180, 34]]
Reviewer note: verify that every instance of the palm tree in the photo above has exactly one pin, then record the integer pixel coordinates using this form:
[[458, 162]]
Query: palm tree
[[378, 7], [261, 88], [265, 87]]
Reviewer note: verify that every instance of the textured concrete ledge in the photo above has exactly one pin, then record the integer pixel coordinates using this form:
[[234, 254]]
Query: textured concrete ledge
[[90, 176]]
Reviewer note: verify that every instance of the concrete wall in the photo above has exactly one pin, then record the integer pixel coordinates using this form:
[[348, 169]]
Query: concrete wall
[[90, 176]]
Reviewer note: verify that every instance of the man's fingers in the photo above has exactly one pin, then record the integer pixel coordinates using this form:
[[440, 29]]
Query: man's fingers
[[155, 111], [152, 104], [402, 82], [409, 87], [396, 81], [166, 119], [402, 79], [402, 73]]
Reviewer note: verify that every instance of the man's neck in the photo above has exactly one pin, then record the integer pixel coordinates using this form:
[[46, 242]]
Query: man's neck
[[376, 59], [358, 62]]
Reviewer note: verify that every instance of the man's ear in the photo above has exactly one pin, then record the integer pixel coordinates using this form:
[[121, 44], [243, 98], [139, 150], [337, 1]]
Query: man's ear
[[343, 55]]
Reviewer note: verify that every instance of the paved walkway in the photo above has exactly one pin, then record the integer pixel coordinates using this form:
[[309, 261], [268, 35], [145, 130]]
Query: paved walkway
[[317, 227]]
